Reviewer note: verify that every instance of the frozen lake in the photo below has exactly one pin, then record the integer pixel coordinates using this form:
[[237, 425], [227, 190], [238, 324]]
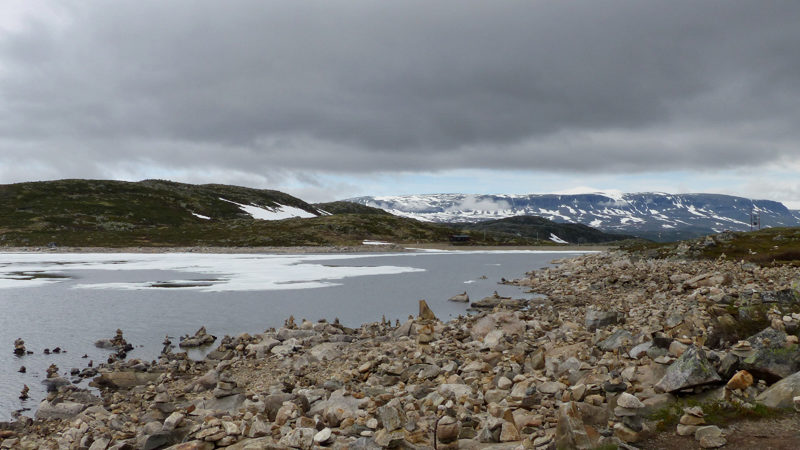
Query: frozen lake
[[71, 300]]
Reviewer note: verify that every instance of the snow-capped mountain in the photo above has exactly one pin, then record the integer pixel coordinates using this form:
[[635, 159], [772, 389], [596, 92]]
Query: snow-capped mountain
[[652, 215]]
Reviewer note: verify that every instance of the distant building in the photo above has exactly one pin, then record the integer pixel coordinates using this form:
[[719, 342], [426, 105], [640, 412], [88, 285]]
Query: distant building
[[459, 238]]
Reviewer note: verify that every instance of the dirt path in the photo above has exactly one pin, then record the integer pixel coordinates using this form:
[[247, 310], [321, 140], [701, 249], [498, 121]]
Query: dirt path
[[767, 434]]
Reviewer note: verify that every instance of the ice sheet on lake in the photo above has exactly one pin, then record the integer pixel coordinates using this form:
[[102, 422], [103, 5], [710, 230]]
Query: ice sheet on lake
[[226, 272], [230, 272]]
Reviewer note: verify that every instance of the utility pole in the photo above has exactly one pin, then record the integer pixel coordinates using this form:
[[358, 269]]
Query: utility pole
[[755, 220]]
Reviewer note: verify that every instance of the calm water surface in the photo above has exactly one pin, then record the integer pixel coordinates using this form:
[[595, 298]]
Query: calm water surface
[[229, 294]]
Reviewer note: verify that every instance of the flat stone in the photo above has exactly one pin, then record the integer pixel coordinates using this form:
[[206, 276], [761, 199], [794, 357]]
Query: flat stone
[[630, 401], [551, 387], [323, 436]]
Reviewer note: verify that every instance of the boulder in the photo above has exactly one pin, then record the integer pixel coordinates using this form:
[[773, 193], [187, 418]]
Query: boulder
[[618, 339], [460, 298], [200, 338], [599, 319], [58, 410], [570, 430], [780, 394], [771, 358], [740, 380], [327, 351], [425, 312], [508, 323], [690, 370], [124, 380]]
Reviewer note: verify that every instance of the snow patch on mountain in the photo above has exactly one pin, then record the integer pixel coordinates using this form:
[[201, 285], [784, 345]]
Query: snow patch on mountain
[[654, 215], [278, 213]]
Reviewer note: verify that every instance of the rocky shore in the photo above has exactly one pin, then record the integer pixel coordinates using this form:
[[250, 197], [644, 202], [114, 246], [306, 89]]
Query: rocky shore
[[616, 341]]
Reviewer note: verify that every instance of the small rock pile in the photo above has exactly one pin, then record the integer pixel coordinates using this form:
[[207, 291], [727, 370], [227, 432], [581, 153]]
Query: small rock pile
[[19, 347], [200, 338]]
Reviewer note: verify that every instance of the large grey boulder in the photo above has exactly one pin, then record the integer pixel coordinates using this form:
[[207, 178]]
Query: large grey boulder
[[780, 394], [617, 340], [772, 359], [599, 319], [690, 370], [58, 410]]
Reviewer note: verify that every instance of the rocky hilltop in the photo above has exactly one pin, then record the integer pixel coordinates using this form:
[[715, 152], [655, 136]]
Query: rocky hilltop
[[608, 358]]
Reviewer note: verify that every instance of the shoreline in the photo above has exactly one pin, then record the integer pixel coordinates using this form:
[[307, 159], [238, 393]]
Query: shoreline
[[617, 339], [392, 248]]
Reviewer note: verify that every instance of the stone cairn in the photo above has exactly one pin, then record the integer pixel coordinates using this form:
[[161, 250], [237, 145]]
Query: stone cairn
[[19, 347]]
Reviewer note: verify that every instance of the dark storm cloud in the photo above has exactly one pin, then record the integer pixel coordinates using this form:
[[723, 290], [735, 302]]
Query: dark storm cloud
[[257, 86]]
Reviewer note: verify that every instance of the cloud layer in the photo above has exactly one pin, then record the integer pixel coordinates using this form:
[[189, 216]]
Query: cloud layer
[[259, 89]]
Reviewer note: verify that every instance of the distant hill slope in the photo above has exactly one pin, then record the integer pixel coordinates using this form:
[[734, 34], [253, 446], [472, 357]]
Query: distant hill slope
[[541, 228], [768, 247], [348, 208], [650, 215], [101, 213]]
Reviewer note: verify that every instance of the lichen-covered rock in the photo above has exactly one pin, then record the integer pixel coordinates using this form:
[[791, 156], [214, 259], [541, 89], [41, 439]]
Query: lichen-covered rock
[[690, 370], [781, 394]]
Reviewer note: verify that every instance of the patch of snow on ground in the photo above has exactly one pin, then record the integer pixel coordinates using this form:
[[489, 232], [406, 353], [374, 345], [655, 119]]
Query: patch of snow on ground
[[557, 239], [279, 213], [376, 243], [201, 216]]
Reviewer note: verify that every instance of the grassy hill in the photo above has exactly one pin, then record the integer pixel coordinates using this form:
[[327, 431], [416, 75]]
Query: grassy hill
[[349, 208], [767, 247], [540, 228], [156, 213]]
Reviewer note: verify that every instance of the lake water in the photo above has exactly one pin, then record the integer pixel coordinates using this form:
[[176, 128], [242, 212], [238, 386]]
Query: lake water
[[71, 300]]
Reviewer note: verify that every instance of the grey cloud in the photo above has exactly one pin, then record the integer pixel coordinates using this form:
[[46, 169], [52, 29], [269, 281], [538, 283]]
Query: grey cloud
[[360, 86]]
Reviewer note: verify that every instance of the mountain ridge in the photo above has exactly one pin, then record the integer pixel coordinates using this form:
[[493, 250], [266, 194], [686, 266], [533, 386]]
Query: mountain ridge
[[650, 215]]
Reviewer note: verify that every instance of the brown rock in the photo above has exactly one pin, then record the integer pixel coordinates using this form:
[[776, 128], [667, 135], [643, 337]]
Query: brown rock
[[740, 380], [425, 312]]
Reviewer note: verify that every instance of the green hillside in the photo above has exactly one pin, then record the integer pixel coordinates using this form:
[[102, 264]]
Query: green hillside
[[155, 213], [767, 247], [540, 228]]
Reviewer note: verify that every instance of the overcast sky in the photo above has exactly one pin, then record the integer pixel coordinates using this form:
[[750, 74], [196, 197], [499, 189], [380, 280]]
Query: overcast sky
[[330, 99]]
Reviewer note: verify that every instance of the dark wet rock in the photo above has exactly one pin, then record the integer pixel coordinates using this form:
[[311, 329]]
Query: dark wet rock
[[19, 347], [690, 370], [52, 384]]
